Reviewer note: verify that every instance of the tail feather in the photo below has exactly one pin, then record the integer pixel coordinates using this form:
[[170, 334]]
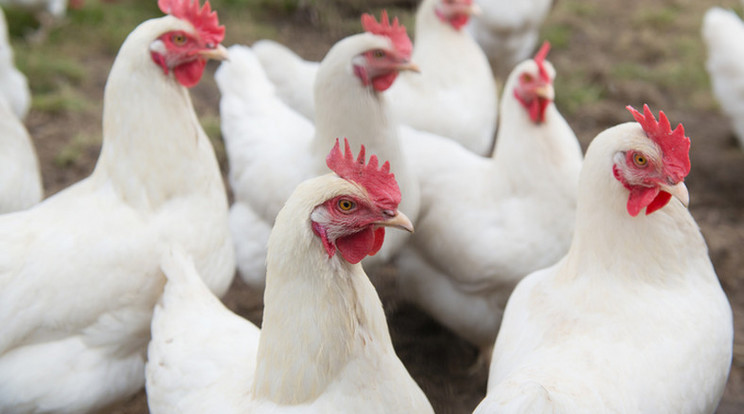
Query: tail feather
[[242, 75], [292, 76], [198, 348], [250, 234], [261, 133]]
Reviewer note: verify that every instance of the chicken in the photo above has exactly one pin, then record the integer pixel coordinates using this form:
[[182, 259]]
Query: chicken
[[454, 95], [271, 149], [79, 272], [487, 222], [324, 346], [508, 31], [633, 318], [722, 31], [20, 177], [13, 84]]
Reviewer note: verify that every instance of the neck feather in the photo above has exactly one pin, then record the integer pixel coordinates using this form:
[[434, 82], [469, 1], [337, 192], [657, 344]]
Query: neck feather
[[608, 240], [153, 145], [319, 312]]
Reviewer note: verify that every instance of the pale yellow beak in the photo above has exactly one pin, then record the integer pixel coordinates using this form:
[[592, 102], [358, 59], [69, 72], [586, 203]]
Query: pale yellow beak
[[475, 10], [679, 191], [218, 53], [462, 8], [408, 66], [546, 92], [398, 220]]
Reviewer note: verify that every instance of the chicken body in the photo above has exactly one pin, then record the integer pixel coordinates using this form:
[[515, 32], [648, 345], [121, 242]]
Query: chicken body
[[13, 84], [20, 179], [722, 31], [487, 222], [508, 31], [636, 296], [324, 346], [267, 139], [454, 95], [79, 272]]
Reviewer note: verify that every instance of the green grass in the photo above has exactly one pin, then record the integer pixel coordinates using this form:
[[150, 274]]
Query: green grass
[[74, 149], [573, 92]]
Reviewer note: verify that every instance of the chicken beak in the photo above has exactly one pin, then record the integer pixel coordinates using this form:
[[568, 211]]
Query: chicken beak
[[679, 191], [218, 53], [545, 91], [397, 220], [463, 8], [475, 10], [408, 65]]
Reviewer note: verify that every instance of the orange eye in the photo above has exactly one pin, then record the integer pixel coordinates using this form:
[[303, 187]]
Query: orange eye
[[346, 204], [378, 53], [526, 77], [640, 160], [178, 39]]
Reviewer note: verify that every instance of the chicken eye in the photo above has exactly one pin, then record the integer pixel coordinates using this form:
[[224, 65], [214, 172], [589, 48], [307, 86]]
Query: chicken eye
[[526, 77], [346, 204], [640, 160], [178, 39], [378, 53]]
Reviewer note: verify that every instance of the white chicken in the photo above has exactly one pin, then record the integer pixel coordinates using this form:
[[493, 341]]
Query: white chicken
[[633, 318], [20, 177], [508, 30], [454, 95], [722, 32], [324, 346], [13, 84], [485, 223], [79, 272], [265, 138]]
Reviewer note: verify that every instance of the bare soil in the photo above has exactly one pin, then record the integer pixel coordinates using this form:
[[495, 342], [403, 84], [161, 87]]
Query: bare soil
[[598, 38]]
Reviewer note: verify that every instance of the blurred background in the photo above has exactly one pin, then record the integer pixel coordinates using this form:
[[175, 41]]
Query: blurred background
[[608, 54]]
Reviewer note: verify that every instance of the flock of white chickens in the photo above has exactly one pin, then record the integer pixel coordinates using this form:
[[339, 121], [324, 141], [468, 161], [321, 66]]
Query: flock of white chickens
[[587, 289]]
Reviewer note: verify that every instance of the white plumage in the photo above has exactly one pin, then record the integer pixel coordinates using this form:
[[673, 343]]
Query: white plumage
[[20, 177], [13, 84], [271, 148], [722, 32], [324, 346], [454, 95], [79, 272], [508, 31], [632, 319], [292, 77], [487, 222], [202, 357]]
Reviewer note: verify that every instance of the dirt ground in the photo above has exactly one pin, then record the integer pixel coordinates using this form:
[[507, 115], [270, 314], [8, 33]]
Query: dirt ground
[[608, 54]]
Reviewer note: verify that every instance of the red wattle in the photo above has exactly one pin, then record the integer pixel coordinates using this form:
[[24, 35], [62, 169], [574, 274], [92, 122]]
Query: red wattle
[[459, 20], [383, 82], [188, 74], [660, 201], [641, 197], [379, 239], [355, 247]]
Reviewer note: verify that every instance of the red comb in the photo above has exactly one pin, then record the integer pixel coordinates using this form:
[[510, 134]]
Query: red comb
[[379, 183], [396, 32], [540, 59], [674, 144], [203, 19]]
